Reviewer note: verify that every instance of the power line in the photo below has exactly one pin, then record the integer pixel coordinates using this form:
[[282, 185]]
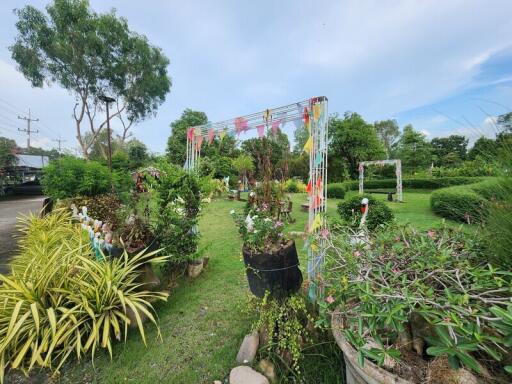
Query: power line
[[12, 107], [59, 140], [28, 130]]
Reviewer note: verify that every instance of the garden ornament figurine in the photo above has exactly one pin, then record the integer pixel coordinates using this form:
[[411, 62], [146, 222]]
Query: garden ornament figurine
[[361, 237], [364, 211]]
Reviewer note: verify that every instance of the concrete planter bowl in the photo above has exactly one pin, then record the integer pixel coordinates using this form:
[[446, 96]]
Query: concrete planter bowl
[[370, 373]]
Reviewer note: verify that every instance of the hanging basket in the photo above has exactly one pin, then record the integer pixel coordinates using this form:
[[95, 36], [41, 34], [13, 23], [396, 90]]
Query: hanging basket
[[276, 272]]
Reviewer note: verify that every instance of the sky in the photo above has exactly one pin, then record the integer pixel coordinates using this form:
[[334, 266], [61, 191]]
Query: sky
[[443, 66]]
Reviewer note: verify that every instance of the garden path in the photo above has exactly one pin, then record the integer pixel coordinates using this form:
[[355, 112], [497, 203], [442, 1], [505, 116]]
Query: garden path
[[10, 210]]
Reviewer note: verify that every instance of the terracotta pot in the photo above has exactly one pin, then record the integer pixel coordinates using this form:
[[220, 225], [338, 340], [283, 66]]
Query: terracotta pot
[[370, 373]]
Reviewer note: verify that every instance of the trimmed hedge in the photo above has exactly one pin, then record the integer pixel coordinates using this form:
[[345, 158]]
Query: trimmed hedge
[[468, 203], [423, 183], [336, 190], [459, 203]]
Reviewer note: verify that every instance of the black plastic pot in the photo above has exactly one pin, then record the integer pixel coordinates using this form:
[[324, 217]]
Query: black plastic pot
[[277, 272]]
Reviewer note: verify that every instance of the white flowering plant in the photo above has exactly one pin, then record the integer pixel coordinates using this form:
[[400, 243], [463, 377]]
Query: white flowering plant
[[259, 231]]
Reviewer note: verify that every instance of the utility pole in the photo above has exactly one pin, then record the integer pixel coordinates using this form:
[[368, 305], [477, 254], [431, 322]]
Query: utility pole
[[59, 140], [27, 130]]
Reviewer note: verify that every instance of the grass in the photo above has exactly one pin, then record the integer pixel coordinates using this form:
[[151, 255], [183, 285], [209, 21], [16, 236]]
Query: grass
[[203, 324]]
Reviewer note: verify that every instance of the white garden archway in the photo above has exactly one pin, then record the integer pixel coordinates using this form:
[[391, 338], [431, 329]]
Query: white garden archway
[[398, 172], [312, 113]]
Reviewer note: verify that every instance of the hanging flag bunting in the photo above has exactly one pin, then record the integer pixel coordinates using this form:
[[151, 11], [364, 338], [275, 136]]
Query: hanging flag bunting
[[261, 130], [317, 202], [275, 126], [309, 188], [281, 116], [240, 125], [318, 159], [211, 135], [319, 183], [309, 145], [317, 110], [305, 118], [190, 133], [317, 223], [199, 142]]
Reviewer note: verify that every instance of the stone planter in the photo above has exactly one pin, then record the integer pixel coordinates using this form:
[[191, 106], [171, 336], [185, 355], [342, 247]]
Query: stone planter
[[195, 268], [370, 373], [277, 272]]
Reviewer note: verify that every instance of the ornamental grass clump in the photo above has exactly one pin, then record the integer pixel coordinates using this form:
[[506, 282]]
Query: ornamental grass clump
[[431, 292], [60, 302]]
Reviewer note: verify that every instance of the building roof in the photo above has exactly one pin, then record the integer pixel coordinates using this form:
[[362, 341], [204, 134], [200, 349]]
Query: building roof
[[32, 161]]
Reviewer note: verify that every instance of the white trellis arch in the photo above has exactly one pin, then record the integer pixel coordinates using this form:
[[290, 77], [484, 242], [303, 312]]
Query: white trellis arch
[[398, 172], [313, 114]]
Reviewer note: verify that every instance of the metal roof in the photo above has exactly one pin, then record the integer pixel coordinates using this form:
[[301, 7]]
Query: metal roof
[[32, 161]]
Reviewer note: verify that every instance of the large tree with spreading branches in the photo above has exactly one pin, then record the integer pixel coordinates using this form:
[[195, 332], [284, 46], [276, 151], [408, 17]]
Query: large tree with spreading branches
[[91, 54]]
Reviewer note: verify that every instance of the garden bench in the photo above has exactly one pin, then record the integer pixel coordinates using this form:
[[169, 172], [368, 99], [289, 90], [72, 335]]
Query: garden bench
[[389, 193]]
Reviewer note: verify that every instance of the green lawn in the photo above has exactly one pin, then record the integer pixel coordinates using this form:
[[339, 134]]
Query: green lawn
[[202, 323]]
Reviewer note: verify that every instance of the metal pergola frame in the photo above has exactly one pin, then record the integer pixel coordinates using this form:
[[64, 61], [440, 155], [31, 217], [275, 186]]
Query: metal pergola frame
[[313, 113], [398, 172]]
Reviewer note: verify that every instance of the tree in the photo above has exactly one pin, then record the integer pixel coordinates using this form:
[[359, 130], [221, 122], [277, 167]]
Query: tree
[[177, 142], [413, 149], [300, 137], [449, 150], [91, 54], [387, 132], [483, 147], [8, 150], [353, 140], [244, 166], [277, 148], [137, 153], [505, 121]]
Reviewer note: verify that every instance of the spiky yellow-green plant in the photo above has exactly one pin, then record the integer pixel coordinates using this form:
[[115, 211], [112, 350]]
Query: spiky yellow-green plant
[[59, 301]]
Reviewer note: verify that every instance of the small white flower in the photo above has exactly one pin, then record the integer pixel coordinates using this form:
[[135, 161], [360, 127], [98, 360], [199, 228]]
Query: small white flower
[[268, 219], [249, 222], [232, 212], [255, 231]]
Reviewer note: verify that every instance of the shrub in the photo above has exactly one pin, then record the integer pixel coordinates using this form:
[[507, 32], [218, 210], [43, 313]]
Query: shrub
[[60, 302], [336, 190], [294, 186], [459, 204], [378, 212], [498, 231], [469, 203], [179, 203], [435, 284], [70, 176], [419, 183]]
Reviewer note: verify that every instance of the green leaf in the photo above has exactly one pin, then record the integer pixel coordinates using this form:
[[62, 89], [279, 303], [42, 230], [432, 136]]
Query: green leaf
[[468, 361], [437, 351]]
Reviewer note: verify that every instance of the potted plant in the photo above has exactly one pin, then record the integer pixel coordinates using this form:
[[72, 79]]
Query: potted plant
[[428, 300], [270, 257]]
